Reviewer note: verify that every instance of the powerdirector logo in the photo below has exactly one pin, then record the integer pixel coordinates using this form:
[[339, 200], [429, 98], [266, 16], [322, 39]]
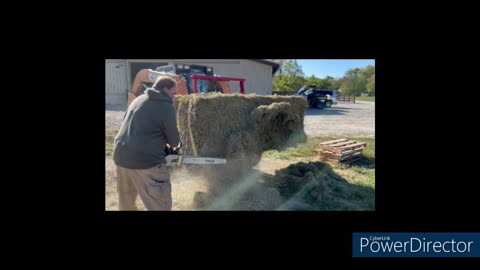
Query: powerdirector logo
[[416, 244]]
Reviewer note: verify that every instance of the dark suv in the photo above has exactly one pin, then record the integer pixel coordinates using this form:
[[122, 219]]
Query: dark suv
[[316, 97]]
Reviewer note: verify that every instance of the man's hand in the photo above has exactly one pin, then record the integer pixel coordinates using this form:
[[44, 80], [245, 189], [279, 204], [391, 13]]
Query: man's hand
[[170, 150]]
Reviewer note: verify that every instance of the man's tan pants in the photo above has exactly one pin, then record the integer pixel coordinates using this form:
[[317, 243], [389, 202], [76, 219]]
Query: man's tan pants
[[152, 184]]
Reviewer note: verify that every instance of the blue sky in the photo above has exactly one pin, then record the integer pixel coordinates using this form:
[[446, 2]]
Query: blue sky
[[331, 67]]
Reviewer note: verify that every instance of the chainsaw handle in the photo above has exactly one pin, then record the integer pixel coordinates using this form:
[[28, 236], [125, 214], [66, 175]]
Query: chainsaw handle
[[173, 150]]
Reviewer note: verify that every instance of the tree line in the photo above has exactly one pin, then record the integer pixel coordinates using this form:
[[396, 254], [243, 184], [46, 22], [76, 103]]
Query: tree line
[[290, 78]]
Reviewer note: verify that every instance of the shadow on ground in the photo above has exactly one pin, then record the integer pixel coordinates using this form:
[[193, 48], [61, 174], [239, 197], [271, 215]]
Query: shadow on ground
[[328, 111], [363, 162]]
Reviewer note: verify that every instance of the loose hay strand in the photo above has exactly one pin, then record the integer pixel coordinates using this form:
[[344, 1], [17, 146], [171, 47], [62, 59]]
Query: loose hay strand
[[192, 143]]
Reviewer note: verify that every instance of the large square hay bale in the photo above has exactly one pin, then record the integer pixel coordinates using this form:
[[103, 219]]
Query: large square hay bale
[[238, 127]]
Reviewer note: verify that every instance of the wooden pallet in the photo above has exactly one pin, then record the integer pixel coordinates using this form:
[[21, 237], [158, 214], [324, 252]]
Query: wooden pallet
[[341, 150]]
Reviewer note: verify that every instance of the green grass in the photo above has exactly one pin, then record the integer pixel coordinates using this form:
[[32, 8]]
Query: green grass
[[357, 192], [307, 150], [109, 137], [366, 98]]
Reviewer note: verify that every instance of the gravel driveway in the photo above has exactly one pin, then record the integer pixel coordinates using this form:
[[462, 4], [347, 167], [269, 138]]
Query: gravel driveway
[[352, 119], [114, 116], [342, 119]]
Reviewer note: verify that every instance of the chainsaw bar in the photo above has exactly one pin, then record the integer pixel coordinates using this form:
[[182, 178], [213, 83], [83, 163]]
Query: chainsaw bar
[[172, 160]]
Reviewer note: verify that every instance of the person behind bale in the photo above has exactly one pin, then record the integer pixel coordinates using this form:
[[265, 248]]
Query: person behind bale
[[214, 87], [149, 125]]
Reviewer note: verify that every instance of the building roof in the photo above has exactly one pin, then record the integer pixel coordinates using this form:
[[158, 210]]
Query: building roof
[[275, 66]]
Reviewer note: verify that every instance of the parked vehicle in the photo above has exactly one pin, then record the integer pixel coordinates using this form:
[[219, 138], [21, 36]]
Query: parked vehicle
[[316, 97]]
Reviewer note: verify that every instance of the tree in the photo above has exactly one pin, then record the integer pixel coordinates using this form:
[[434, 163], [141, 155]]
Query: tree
[[295, 75], [312, 80], [280, 68], [278, 83], [292, 68], [338, 83], [371, 85], [327, 83], [368, 71], [354, 83], [290, 77]]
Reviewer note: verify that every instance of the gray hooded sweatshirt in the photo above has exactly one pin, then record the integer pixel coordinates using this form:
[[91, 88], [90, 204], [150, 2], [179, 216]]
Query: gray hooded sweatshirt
[[148, 125]]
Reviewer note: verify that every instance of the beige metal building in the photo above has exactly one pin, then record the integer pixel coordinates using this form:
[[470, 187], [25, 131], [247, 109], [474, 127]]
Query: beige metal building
[[119, 74]]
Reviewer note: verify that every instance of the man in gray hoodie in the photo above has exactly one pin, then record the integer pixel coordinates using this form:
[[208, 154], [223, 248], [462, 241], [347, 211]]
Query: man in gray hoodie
[[139, 150]]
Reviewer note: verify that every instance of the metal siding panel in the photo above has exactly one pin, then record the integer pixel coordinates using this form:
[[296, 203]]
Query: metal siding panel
[[258, 77], [229, 70], [245, 66], [115, 82]]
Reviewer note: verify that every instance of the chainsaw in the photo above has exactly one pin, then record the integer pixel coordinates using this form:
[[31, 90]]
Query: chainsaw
[[175, 158]]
